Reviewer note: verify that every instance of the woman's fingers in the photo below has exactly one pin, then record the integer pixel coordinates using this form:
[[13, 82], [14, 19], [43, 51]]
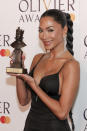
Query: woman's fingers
[[12, 57], [23, 59], [11, 62]]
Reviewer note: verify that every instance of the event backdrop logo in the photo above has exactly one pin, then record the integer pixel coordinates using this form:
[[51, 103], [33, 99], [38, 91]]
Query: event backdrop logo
[[5, 52], [85, 43], [85, 117], [30, 11], [4, 112], [4, 42]]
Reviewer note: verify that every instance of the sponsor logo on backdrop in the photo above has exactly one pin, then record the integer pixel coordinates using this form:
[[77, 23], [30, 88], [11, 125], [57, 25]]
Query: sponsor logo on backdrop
[[4, 113], [30, 11], [85, 117], [85, 43], [4, 42], [4, 52]]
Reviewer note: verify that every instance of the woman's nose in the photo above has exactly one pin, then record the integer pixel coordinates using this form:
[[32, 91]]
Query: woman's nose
[[44, 36]]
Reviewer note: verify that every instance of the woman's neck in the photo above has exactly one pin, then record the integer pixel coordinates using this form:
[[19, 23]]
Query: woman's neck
[[57, 51]]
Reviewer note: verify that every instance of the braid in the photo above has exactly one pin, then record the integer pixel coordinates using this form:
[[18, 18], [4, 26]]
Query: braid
[[70, 115], [69, 44]]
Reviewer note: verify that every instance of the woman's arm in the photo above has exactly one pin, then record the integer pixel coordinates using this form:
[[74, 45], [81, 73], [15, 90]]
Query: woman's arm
[[23, 93], [71, 77]]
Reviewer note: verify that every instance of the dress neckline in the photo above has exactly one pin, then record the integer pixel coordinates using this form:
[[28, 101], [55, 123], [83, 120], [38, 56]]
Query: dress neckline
[[48, 75], [44, 77]]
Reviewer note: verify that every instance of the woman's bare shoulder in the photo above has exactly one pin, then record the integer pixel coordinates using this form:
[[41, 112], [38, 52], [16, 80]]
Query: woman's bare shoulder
[[36, 59], [70, 62], [71, 66]]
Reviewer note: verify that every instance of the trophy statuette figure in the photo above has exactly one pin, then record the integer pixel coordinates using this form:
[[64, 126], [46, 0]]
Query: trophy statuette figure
[[17, 64]]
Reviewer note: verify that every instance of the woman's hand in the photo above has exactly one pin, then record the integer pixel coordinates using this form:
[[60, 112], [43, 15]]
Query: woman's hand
[[25, 78], [12, 59]]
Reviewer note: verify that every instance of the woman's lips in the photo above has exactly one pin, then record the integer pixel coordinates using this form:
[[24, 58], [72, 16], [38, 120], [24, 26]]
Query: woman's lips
[[47, 43]]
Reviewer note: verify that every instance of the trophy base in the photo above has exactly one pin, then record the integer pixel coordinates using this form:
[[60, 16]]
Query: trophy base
[[16, 70]]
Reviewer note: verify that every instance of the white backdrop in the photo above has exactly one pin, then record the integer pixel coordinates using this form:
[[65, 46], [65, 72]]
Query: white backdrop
[[26, 14]]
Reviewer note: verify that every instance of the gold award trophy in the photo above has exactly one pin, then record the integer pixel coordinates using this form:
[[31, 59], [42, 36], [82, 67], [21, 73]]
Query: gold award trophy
[[17, 64]]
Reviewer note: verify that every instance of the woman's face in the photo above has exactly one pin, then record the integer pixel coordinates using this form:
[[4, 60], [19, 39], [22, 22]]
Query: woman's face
[[50, 33]]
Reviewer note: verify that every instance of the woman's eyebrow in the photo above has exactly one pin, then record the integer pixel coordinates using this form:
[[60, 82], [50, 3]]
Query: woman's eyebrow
[[46, 27]]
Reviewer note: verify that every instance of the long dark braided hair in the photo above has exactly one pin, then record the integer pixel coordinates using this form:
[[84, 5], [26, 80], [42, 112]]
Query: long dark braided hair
[[63, 19], [69, 44]]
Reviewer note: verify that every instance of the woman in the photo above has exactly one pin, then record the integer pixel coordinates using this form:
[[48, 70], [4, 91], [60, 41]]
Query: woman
[[53, 80]]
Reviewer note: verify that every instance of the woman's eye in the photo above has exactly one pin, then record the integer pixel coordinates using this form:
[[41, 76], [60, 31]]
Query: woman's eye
[[40, 30], [50, 30]]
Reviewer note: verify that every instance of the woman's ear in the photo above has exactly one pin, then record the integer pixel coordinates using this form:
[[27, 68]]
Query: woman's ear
[[65, 29]]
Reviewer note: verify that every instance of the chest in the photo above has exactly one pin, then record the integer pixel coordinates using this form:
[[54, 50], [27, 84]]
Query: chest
[[50, 84], [46, 68]]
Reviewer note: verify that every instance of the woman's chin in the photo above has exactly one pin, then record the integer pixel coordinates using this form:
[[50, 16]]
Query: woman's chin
[[48, 47]]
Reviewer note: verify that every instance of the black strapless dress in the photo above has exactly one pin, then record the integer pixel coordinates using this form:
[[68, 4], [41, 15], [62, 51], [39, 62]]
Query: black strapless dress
[[40, 118]]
